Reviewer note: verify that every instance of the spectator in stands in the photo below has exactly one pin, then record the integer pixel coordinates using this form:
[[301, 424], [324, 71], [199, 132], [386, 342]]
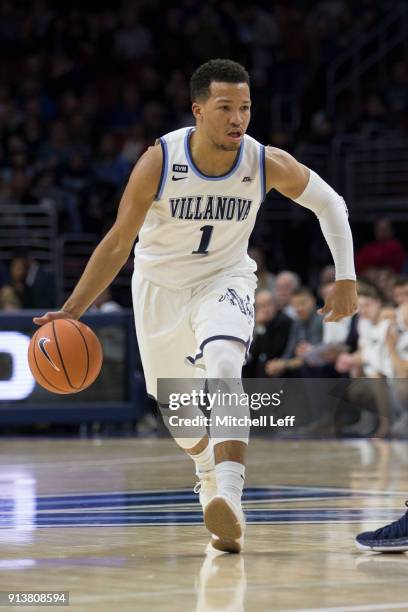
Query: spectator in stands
[[9, 300], [34, 286], [18, 190], [368, 362], [385, 251], [306, 333], [266, 280], [396, 343], [271, 334], [111, 336], [104, 303], [111, 167], [58, 148], [286, 283], [374, 118], [396, 367], [134, 144], [55, 197], [396, 91], [400, 292]]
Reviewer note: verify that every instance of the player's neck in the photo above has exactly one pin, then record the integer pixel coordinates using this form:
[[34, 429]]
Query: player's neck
[[208, 158]]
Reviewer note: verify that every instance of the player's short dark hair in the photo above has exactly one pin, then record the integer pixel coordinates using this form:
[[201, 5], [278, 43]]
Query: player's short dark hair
[[218, 70]]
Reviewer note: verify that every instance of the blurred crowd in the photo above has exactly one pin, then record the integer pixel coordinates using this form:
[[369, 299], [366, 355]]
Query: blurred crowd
[[292, 340], [86, 88]]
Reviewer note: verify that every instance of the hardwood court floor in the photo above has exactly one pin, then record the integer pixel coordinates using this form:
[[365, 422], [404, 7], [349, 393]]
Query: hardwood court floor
[[116, 523]]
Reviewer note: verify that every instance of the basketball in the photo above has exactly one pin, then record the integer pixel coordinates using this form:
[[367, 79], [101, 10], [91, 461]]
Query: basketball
[[65, 356]]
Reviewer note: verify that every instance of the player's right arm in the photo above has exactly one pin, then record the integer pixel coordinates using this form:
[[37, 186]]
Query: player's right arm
[[113, 251]]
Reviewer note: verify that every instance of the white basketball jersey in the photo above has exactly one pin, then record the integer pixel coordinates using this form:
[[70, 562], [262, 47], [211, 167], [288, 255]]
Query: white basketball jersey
[[199, 226]]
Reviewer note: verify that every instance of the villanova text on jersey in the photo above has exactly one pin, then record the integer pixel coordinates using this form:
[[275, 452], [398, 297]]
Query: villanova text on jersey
[[210, 207], [198, 226]]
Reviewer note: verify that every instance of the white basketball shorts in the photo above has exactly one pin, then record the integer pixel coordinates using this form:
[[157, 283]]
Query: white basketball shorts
[[173, 326]]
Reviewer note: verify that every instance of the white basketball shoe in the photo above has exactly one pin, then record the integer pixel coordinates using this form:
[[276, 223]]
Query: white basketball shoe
[[206, 487], [226, 522]]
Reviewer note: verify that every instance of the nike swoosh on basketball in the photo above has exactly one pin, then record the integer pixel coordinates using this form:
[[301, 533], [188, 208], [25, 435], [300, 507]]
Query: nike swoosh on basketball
[[41, 344], [179, 178]]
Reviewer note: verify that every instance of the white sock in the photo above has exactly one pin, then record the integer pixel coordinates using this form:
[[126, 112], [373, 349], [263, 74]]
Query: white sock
[[230, 480], [204, 461]]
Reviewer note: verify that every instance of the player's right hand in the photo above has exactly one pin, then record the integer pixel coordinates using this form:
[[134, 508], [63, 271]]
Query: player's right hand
[[51, 316]]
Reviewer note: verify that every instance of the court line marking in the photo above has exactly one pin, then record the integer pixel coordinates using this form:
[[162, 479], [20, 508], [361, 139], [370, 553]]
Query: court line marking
[[181, 490], [274, 487], [362, 608], [118, 461]]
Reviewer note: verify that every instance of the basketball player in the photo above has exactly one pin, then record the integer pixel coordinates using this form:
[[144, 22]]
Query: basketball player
[[193, 199]]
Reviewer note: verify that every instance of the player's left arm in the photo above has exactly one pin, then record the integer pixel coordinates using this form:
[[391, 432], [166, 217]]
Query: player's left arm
[[302, 185]]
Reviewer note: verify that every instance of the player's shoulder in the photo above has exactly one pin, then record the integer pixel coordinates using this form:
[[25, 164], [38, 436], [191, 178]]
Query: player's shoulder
[[278, 157], [278, 162], [155, 156], [148, 167], [151, 158], [175, 136]]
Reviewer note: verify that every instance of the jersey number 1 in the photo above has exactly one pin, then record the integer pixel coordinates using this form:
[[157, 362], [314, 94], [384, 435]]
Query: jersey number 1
[[205, 239]]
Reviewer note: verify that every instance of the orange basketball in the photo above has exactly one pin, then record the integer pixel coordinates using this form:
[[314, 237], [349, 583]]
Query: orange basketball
[[65, 356]]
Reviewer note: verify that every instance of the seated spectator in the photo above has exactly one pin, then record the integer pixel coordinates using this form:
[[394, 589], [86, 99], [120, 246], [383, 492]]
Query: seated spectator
[[111, 336], [396, 343], [53, 196], [34, 286], [111, 167], [9, 300], [368, 362], [134, 144], [286, 283], [266, 280], [105, 303], [385, 251], [306, 332], [400, 291], [335, 340], [271, 334]]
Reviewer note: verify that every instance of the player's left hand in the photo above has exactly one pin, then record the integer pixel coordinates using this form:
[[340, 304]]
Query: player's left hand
[[341, 301]]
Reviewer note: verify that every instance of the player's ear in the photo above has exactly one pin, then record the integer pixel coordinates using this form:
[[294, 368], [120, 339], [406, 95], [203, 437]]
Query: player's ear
[[197, 110]]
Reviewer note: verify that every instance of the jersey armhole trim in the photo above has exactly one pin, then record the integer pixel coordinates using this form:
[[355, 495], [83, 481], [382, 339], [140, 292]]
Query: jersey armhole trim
[[262, 172], [164, 170]]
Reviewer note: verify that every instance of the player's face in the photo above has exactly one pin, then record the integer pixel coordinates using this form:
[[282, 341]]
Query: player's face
[[225, 115]]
